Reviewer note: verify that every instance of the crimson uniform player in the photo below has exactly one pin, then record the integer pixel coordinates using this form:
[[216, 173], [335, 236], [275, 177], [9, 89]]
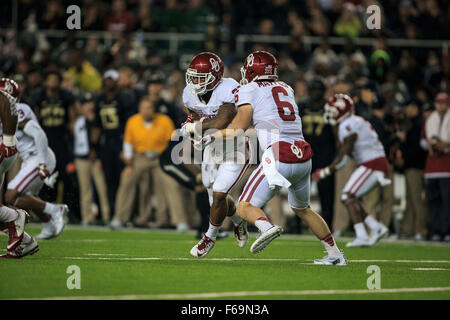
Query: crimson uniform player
[[12, 221], [38, 163], [209, 99], [286, 162], [359, 140]]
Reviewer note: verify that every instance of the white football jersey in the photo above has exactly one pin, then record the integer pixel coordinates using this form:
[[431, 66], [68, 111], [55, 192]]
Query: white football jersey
[[367, 145], [26, 143], [275, 113], [223, 93]]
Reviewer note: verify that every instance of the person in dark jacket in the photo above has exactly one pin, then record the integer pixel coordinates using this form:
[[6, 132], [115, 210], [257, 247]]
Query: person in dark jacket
[[319, 134], [414, 221]]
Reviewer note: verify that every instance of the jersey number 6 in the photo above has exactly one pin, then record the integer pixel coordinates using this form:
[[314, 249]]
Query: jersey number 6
[[282, 105]]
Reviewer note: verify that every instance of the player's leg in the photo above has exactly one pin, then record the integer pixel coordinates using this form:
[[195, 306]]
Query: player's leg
[[299, 199], [360, 183], [255, 195], [22, 191]]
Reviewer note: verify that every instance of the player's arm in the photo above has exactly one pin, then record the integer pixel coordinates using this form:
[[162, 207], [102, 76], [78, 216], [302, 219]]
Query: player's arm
[[340, 161], [32, 129], [8, 115], [225, 115], [237, 127]]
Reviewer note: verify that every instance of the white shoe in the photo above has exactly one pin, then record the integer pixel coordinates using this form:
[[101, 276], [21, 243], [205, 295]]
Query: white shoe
[[115, 224], [419, 237], [24, 249], [337, 259], [241, 233], [358, 242], [378, 234], [203, 247], [265, 238], [58, 219], [182, 227], [48, 231]]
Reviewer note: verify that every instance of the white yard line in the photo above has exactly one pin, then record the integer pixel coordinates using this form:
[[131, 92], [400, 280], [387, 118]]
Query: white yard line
[[99, 257], [211, 295], [429, 269]]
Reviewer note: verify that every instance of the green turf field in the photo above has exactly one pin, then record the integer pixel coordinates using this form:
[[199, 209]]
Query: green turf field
[[141, 264]]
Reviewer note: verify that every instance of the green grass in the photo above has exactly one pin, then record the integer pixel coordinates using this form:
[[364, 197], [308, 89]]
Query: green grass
[[106, 269]]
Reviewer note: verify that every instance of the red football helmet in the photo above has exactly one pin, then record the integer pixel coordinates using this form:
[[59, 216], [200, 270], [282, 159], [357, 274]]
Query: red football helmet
[[259, 65], [339, 107], [204, 73], [11, 88]]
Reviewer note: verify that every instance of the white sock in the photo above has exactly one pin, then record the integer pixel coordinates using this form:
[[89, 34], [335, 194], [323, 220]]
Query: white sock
[[236, 219], [371, 222], [213, 230], [7, 214], [50, 208], [329, 244], [263, 224], [360, 230]]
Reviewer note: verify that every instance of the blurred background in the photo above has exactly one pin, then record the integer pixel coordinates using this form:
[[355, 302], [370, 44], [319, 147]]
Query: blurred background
[[323, 47]]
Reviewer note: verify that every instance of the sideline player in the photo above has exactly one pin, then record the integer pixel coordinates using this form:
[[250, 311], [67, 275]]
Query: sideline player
[[359, 140], [209, 99], [38, 163], [12, 221], [286, 162]]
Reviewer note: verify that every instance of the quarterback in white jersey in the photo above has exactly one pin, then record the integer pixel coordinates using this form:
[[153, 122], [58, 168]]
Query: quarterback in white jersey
[[38, 162], [286, 162], [359, 140], [209, 99]]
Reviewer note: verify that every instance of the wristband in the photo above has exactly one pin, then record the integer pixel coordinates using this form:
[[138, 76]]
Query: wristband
[[8, 140], [325, 172]]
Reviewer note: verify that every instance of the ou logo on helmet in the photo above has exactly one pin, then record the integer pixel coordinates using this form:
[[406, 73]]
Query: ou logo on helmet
[[214, 64], [9, 88], [250, 60]]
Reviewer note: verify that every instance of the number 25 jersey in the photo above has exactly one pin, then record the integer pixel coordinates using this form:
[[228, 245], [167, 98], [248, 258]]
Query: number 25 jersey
[[275, 113]]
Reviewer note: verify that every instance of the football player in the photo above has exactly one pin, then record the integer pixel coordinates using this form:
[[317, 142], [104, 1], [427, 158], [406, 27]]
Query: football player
[[209, 99], [286, 162], [12, 221], [38, 163], [359, 140]]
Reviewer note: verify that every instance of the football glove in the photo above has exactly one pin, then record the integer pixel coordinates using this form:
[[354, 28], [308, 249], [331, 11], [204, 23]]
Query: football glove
[[51, 180], [203, 142], [319, 174]]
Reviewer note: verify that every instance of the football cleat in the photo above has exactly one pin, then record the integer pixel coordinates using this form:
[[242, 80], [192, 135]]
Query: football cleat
[[265, 238], [203, 247], [378, 234], [55, 226], [358, 242], [337, 259], [241, 233], [16, 229], [24, 249]]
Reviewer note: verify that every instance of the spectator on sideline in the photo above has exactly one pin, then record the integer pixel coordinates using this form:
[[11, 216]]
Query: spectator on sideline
[[437, 169], [88, 166], [147, 135], [111, 113], [414, 223]]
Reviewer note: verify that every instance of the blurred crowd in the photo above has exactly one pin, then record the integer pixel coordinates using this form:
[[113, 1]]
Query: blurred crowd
[[81, 87]]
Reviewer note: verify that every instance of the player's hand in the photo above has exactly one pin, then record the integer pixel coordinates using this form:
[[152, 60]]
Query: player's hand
[[43, 171], [7, 152], [203, 142], [319, 174], [51, 180]]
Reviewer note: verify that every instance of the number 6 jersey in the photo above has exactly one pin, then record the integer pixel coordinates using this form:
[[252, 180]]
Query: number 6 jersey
[[275, 113]]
